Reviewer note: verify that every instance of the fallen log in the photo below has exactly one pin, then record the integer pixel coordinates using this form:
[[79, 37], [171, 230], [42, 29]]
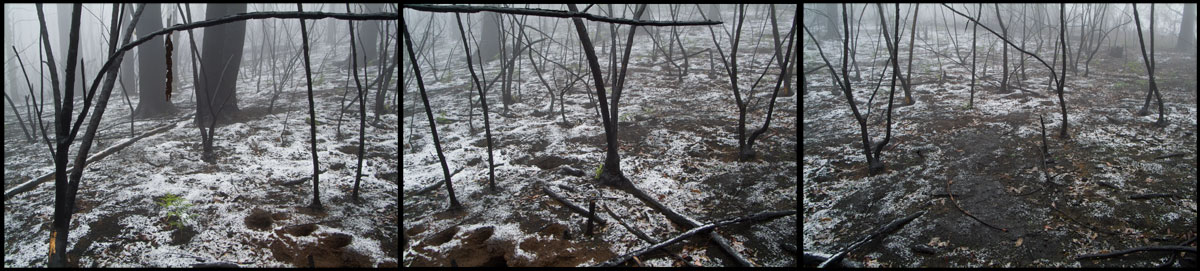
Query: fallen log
[[643, 235], [435, 184], [216, 265], [681, 219], [1150, 196], [1136, 249], [886, 229], [706, 227], [1165, 156], [572, 206], [92, 160]]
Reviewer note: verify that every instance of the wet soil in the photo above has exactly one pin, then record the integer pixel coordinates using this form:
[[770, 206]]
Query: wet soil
[[990, 160]]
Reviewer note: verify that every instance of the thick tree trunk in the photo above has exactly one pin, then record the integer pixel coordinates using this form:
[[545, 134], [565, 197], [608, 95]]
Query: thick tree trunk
[[152, 100], [1187, 39], [221, 60]]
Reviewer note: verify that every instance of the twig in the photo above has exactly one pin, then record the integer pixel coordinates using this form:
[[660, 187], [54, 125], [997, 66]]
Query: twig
[[1136, 249], [948, 182], [1150, 196], [1175, 256], [1165, 156], [1089, 226], [890, 227]]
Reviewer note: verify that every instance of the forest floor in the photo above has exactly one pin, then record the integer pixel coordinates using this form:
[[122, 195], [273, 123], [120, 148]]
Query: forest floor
[[988, 157], [677, 143], [241, 211]]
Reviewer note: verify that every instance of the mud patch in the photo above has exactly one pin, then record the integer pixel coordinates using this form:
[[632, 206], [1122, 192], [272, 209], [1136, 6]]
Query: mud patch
[[258, 220]]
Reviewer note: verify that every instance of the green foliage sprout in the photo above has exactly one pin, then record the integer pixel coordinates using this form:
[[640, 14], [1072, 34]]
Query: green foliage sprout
[[176, 207], [598, 169]]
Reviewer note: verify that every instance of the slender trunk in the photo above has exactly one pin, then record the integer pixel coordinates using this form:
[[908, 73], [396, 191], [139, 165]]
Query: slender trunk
[[429, 114], [974, 40], [908, 100], [483, 102], [312, 115], [1062, 33]]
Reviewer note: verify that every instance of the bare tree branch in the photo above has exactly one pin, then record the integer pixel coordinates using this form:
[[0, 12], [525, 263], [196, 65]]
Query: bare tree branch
[[554, 13]]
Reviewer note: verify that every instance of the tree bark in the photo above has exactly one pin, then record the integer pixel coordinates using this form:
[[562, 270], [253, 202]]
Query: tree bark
[[152, 102], [220, 63], [312, 115]]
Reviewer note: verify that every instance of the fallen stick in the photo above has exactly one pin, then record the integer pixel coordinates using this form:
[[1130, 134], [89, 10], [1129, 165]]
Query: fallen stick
[[436, 184], [1175, 256], [643, 236], [948, 182], [706, 227], [886, 229], [1136, 249], [1165, 156], [571, 205], [1150, 196]]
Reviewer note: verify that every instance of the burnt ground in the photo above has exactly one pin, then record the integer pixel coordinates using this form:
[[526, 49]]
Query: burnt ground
[[988, 155]]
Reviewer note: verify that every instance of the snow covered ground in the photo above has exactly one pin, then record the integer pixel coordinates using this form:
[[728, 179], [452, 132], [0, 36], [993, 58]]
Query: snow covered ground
[[678, 143], [118, 223]]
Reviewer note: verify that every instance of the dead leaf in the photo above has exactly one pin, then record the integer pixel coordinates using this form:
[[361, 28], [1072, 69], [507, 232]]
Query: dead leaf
[[697, 191], [1019, 241], [823, 219]]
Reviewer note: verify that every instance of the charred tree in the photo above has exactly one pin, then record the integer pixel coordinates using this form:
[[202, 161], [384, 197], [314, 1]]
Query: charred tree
[[974, 40], [1149, 61], [429, 114], [784, 74], [1004, 56], [1062, 79], [312, 115], [487, 126]]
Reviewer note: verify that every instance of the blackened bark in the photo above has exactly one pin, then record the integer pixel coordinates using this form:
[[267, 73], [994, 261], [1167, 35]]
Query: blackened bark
[[362, 108], [1149, 62], [312, 115], [487, 126], [611, 174], [974, 39], [1062, 33], [60, 226]]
